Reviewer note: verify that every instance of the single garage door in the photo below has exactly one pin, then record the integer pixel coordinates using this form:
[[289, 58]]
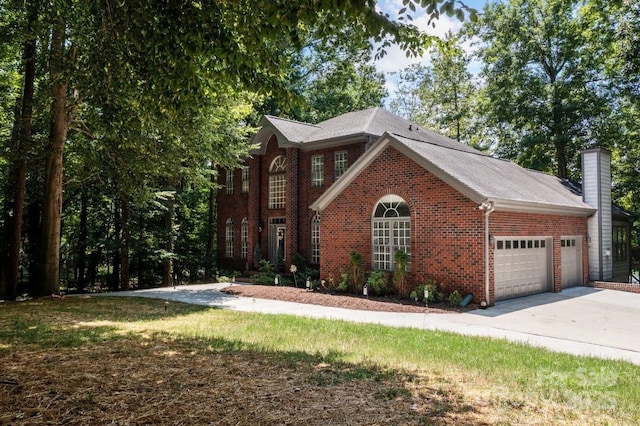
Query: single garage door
[[571, 257], [522, 266]]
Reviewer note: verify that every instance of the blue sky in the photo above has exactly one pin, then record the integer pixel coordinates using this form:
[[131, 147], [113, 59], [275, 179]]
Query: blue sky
[[395, 60]]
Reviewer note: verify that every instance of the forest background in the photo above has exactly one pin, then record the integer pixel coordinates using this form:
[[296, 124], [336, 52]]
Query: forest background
[[114, 116]]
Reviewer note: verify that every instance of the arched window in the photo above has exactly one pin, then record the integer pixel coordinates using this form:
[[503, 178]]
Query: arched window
[[244, 238], [277, 182], [229, 238], [391, 229], [315, 240]]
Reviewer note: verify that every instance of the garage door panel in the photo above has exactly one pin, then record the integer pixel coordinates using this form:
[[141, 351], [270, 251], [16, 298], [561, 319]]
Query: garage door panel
[[521, 267], [571, 260]]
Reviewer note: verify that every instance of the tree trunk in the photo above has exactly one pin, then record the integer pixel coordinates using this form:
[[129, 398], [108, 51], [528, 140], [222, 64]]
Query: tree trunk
[[114, 278], [81, 266], [124, 242], [167, 263], [211, 227], [13, 226], [52, 208]]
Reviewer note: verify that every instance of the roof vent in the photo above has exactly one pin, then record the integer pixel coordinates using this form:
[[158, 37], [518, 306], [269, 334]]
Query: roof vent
[[410, 129]]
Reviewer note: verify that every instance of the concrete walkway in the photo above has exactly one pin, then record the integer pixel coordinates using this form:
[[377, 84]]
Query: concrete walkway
[[580, 320]]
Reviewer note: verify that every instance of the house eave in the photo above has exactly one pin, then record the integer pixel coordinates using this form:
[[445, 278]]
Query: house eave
[[541, 208]]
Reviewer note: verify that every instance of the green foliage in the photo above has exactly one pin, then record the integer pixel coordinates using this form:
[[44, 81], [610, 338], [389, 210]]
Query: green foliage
[[378, 284], [343, 285], [545, 82], [265, 275], [400, 272], [454, 298], [355, 279]]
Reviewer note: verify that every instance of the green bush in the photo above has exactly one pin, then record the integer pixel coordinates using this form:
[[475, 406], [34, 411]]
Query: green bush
[[454, 298], [378, 284], [265, 274], [400, 273], [355, 278], [343, 286]]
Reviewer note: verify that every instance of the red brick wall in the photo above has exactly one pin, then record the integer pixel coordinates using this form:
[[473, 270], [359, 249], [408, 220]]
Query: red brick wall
[[538, 225], [447, 228], [628, 287], [309, 194], [236, 207]]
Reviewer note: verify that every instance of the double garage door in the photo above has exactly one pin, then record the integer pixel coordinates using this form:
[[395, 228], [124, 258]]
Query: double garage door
[[524, 266]]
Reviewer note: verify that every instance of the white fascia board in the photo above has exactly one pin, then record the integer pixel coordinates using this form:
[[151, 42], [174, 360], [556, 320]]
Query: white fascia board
[[352, 172], [540, 208]]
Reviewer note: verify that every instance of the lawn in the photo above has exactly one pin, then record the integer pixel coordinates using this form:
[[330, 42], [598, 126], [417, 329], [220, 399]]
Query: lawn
[[99, 360]]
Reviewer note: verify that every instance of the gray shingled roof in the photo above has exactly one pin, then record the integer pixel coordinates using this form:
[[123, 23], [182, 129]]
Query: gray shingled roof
[[496, 179], [369, 122], [294, 131]]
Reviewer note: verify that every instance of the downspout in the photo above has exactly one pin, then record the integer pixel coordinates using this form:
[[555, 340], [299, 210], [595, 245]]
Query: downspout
[[487, 207]]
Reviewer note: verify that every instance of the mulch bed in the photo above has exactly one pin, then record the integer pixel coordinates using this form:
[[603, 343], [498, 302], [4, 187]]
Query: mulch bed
[[301, 295]]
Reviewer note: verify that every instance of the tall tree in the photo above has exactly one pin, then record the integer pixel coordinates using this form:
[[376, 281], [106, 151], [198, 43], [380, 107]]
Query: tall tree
[[442, 95], [20, 146], [543, 81]]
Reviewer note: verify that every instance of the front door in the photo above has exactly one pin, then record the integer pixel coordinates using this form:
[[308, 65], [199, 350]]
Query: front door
[[277, 234]]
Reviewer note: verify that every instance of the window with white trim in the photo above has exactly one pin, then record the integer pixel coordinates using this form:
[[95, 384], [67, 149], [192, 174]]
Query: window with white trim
[[229, 238], [340, 163], [244, 238], [277, 182], [245, 179], [315, 240], [391, 231], [229, 181], [317, 170]]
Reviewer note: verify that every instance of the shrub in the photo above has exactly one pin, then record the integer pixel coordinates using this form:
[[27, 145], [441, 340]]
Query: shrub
[[436, 293], [418, 294], [355, 279], [401, 262], [343, 286], [454, 298], [265, 274], [378, 283]]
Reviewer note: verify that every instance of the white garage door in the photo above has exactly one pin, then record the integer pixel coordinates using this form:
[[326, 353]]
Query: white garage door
[[521, 266], [571, 257]]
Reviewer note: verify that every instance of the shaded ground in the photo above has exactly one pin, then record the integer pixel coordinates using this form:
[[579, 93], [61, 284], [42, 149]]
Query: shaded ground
[[77, 366], [300, 295]]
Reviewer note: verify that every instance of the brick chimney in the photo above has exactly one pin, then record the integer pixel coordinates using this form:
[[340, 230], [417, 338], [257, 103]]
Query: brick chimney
[[596, 192]]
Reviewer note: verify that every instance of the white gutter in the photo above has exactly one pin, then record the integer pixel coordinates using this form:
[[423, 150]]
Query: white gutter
[[487, 207]]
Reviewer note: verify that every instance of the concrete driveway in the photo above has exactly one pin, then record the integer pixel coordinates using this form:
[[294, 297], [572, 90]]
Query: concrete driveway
[[579, 320]]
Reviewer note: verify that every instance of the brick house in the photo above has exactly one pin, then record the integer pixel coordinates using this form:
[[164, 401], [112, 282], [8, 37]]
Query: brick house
[[373, 182]]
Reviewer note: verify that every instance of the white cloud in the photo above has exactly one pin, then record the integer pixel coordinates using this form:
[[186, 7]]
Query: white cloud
[[396, 59]]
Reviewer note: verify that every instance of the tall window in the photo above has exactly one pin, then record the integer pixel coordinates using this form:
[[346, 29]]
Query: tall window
[[229, 238], [245, 179], [317, 170], [620, 246], [229, 181], [244, 238], [340, 163], [277, 182], [315, 240], [391, 229]]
